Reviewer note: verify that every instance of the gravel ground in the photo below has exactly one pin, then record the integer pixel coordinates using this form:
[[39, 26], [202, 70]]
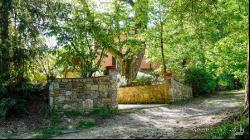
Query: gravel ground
[[164, 121]]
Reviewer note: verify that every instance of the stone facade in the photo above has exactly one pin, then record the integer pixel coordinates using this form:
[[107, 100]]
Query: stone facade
[[83, 94], [180, 91]]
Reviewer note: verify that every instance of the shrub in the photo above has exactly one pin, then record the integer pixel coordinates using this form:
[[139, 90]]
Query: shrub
[[85, 124], [200, 80], [104, 112], [228, 82], [12, 106], [144, 81], [13, 98], [73, 113], [50, 131]]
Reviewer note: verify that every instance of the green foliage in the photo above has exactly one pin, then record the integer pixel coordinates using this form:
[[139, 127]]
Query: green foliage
[[54, 117], [73, 113], [85, 124], [77, 38], [4, 105], [104, 112], [50, 131], [227, 129], [210, 34], [15, 103], [144, 81], [228, 82], [200, 80], [44, 65], [10, 106], [24, 25], [55, 126]]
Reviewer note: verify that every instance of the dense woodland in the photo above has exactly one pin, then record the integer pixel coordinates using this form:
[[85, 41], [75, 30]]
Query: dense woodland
[[203, 43]]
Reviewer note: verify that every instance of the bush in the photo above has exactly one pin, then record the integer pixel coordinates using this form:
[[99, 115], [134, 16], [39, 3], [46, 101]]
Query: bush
[[50, 131], [200, 80], [13, 98], [144, 81], [104, 112], [10, 106], [85, 124], [228, 82]]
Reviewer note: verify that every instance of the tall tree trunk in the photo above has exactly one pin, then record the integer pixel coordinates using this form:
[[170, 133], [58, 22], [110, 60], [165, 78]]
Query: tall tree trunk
[[130, 67], [246, 105], [1, 17], [5, 9], [136, 63], [124, 67], [162, 49]]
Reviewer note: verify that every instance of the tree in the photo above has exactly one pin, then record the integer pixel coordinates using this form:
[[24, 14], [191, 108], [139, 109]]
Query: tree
[[246, 103], [82, 53], [130, 50], [158, 15], [21, 24], [5, 44], [43, 65], [201, 34]]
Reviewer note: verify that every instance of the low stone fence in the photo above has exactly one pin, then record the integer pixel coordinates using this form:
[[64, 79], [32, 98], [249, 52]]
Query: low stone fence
[[163, 93], [83, 94]]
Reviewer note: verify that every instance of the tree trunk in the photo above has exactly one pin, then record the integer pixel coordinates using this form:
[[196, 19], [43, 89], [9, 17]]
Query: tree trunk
[[5, 9], [130, 67], [1, 26], [246, 105], [124, 67], [136, 63], [162, 49]]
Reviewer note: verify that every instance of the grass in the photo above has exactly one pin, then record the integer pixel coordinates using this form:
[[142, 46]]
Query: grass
[[104, 112], [227, 129], [54, 128], [73, 113], [49, 132], [85, 124]]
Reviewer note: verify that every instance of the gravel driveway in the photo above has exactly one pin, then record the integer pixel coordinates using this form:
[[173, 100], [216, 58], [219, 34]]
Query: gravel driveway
[[164, 121]]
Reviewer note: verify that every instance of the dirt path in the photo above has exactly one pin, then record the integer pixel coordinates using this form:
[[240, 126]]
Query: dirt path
[[164, 121]]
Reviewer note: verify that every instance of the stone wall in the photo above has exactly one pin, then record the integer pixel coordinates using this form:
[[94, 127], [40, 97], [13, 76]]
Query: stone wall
[[83, 94], [180, 91]]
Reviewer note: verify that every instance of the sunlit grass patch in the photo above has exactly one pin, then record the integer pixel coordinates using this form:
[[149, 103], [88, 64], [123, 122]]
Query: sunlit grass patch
[[227, 129], [104, 112], [49, 132], [84, 124]]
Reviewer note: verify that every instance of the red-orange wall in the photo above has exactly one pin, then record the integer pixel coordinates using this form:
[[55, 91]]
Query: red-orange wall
[[144, 65]]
